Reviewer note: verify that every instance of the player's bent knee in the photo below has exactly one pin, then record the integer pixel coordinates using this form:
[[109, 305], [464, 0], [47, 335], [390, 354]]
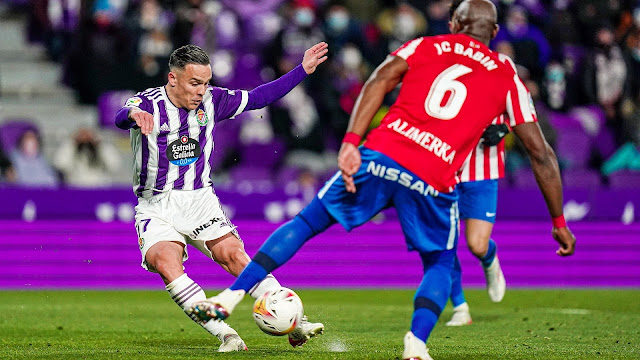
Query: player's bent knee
[[478, 246], [165, 258]]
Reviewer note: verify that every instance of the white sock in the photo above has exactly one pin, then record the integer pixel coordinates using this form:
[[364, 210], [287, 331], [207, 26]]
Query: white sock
[[268, 283], [462, 307], [185, 292]]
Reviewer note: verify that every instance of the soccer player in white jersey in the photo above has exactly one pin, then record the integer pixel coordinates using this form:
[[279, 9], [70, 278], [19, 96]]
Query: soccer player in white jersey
[[171, 130]]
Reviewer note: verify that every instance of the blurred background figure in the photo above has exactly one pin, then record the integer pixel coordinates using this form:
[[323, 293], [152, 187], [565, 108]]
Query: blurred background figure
[[398, 25], [582, 59], [86, 161], [605, 78], [7, 173], [530, 46], [31, 167]]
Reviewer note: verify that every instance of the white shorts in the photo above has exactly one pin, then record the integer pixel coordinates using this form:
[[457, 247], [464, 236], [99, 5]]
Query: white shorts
[[187, 216]]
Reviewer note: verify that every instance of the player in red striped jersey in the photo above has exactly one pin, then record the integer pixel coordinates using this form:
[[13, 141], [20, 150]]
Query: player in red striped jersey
[[453, 86], [478, 191]]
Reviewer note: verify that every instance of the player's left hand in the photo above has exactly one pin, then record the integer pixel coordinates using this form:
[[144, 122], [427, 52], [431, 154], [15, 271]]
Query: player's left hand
[[314, 56], [349, 161], [565, 238]]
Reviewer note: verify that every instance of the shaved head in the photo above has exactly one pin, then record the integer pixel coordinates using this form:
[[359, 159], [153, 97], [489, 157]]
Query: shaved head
[[476, 18]]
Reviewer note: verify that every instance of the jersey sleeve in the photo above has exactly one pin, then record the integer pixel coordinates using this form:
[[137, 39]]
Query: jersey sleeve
[[408, 50], [141, 102], [520, 108], [228, 103]]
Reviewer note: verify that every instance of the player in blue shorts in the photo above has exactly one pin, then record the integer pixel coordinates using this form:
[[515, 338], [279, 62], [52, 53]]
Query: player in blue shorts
[[411, 160], [477, 204]]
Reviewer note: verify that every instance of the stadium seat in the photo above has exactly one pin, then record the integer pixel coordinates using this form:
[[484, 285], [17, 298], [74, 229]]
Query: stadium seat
[[581, 179], [573, 148], [250, 173], [12, 129], [266, 155], [625, 179], [524, 179], [108, 104]]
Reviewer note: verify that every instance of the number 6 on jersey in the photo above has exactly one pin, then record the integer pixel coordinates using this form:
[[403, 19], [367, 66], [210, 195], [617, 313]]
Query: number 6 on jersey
[[444, 83]]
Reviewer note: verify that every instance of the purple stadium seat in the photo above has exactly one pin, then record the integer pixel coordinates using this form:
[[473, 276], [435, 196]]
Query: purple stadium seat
[[248, 172], [108, 104], [561, 121], [263, 155], [581, 179], [11, 130], [625, 179], [524, 179], [573, 148], [287, 174]]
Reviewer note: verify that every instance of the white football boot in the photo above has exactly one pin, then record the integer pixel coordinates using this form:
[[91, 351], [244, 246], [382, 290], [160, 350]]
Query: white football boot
[[461, 316], [496, 284], [218, 307], [232, 342], [414, 348], [304, 331]]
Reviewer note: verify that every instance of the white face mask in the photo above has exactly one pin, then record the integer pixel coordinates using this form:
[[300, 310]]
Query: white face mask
[[351, 57], [304, 17], [636, 16], [404, 26]]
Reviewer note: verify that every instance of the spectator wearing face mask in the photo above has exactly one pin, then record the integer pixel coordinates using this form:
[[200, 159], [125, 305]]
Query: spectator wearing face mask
[[340, 93], [529, 43], [86, 161], [295, 118], [340, 28], [398, 25], [31, 167], [605, 78], [301, 32]]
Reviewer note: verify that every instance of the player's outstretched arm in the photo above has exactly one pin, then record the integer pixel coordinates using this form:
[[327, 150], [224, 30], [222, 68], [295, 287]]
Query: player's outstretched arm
[[384, 79], [545, 167], [270, 92]]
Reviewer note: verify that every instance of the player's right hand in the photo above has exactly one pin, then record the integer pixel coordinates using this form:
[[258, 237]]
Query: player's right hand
[[143, 119], [565, 238], [349, 161]]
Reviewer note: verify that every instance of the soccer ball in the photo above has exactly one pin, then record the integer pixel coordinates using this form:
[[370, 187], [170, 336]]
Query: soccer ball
[[278, 312]]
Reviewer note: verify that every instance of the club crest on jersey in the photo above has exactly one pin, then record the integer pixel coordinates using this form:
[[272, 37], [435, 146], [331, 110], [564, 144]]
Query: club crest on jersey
[[184, 151], [202, 117], [134, 101]]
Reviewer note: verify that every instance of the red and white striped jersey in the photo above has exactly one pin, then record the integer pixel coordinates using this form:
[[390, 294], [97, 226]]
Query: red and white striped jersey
[[454, 88], [485, 162]]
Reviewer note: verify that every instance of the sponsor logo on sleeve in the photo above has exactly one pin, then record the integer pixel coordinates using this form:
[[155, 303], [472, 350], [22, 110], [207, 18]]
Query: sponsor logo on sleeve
[[134, 101]]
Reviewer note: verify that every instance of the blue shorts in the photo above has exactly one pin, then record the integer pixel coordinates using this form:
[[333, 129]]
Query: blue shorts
[[429, 219], [478, 200]]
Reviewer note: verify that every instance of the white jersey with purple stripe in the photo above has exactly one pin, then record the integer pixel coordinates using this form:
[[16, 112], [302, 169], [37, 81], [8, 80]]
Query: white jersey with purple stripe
[[177, 154]]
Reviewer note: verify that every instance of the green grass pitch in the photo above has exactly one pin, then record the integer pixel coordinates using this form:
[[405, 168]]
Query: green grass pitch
[[360, 324]]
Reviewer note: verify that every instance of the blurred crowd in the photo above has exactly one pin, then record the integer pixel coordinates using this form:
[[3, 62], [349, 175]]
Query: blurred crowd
[[579, 59]]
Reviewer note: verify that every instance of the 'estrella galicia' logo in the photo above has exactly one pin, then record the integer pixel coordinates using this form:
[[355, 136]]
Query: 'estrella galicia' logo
[[183, 151]]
